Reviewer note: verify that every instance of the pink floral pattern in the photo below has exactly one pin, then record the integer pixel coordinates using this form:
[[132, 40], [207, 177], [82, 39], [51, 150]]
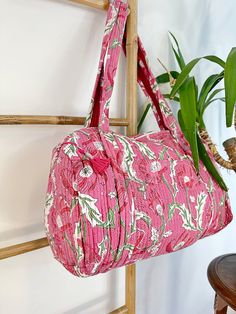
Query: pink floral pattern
[[113, 200]]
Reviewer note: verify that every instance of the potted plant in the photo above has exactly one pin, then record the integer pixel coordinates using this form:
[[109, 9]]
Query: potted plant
[[193, 102]]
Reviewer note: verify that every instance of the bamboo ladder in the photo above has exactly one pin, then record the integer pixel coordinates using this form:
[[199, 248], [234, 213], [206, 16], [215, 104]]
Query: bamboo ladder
[[130, 122]]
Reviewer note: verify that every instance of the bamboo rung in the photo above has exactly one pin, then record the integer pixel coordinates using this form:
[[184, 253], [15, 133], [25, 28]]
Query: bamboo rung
[[68, 120], [120, 310], [21, 248], [97, 4]]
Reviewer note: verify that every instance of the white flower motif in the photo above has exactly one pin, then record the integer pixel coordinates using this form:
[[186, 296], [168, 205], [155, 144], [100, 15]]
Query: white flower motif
[[155, 234], [112, 194], [86, 172], [178, 246], [167, 234], [98, 145], [155, 166], [186, 179], [159, 209], [192, 199], [59, 222], [75, 186], [154, 249]]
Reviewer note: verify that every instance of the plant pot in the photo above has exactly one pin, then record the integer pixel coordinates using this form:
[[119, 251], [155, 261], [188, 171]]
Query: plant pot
[[230, 148]]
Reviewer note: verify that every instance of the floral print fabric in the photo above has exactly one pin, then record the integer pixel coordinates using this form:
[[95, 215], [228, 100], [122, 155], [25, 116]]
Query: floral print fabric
[[113, 200]]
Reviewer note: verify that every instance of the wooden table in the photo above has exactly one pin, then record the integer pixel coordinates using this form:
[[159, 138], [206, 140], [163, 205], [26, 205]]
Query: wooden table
[[222, 277]]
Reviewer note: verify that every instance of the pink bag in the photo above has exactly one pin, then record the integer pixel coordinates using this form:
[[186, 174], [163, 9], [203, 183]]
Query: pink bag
[[113, 200]]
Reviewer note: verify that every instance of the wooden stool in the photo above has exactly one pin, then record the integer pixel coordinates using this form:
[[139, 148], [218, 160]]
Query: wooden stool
[[222, 277]]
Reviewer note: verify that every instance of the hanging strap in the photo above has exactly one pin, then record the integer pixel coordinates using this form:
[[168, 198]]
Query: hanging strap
[[111, 46], [114, 38]]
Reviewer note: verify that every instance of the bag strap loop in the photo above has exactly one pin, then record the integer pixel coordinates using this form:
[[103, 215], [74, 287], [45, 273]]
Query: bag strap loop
[[114, 38]]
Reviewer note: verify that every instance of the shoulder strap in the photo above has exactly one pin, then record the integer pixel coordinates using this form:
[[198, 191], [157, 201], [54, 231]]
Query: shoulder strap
[[111, 46], [114, 38]]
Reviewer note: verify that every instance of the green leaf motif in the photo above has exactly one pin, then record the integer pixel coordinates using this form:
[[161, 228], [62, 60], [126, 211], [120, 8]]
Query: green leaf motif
[[110, 23], [143, 216], [145, 150], [90, 210], [102, 247], [115, 43], [186, 216], [171, 210], [70, 150], [80, 254], [128, 158], [167, 111], [162, 153], [74, 203], [49, 202], [201, 201], [110, 138], [110, 222]]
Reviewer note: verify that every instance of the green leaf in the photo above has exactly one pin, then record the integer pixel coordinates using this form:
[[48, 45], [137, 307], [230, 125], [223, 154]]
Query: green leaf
[[183, 76], [186, 216], [208, 85], [181, 123], [168, 97], [211, 98], [187, 69], [143, 117], [178, 55], [214, 99], [230, 86], [165, 77], [215, 59], [209, 164], [188, 103]]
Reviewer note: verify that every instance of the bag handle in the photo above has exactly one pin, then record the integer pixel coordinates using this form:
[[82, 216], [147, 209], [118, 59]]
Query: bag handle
[[111, 46], [114, 38]]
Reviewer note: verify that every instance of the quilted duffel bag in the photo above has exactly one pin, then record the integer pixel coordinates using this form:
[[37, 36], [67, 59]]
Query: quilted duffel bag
[[113, 200]]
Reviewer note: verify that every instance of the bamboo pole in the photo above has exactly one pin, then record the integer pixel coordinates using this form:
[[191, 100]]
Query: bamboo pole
[[131, 122], [22, 248], [131, 108], [96, 4], [120, 310], [54, 120]]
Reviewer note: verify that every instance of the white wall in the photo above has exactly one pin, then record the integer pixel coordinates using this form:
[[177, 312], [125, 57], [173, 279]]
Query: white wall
[[49, 54], [177, 283], [48, 58]]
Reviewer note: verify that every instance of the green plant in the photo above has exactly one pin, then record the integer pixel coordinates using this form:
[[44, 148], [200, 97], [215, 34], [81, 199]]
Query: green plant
[[194, 100]]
